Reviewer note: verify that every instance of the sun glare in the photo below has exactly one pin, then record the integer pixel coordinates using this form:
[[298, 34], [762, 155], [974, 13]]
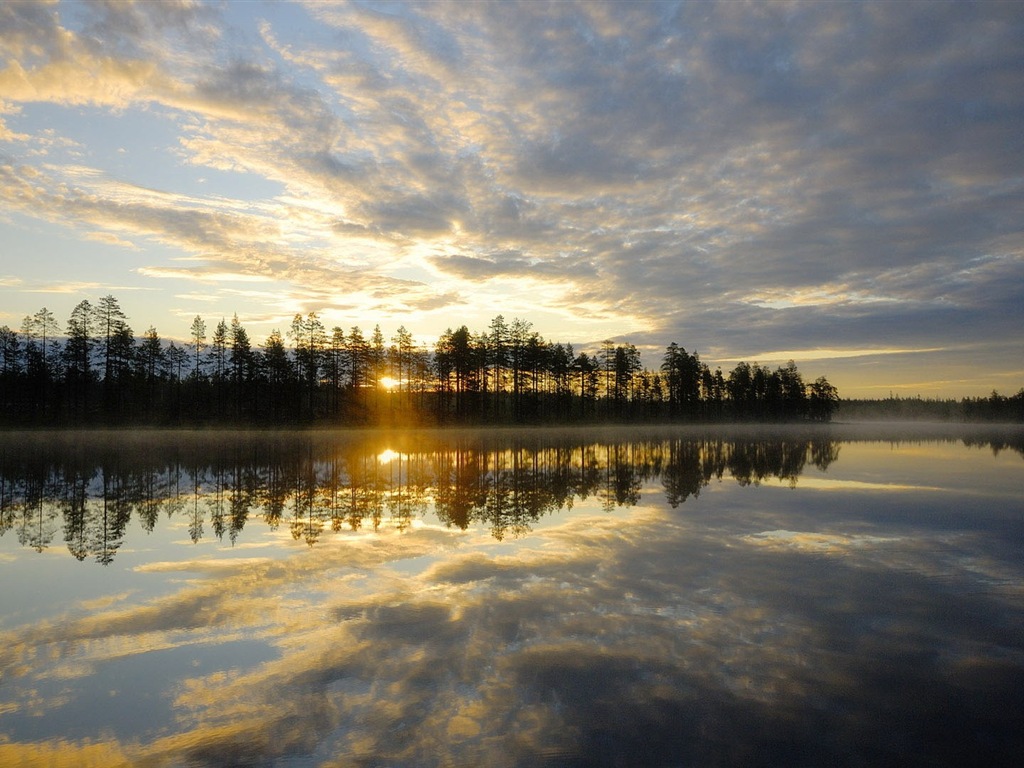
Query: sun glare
[[388, 383], [387, 456]]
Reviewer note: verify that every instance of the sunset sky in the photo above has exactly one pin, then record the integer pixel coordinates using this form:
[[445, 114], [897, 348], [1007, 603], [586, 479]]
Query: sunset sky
[[839, 183]]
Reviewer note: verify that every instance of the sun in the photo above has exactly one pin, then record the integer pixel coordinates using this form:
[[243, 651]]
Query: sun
[[387, 382], [388, 456]]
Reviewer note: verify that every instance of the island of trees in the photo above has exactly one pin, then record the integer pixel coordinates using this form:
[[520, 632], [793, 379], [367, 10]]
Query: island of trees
[[94, 370]]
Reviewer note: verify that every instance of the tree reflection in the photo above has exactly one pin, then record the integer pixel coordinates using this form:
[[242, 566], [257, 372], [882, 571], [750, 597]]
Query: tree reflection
[[75, 508], [683, 474], [105, 530], [195, 523], [317, 483], [307, 512], [241, 499], [37, 523]]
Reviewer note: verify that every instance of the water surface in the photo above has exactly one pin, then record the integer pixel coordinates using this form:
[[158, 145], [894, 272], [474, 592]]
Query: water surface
[[834, 596]]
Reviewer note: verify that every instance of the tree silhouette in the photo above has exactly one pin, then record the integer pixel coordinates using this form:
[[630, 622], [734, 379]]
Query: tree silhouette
[[279, 372], [823, 400], [78, 352], [507, 373], [335, 369], [219, 350], [111, 321], [402, 348], [198, 345], [358, 351], [242, 371]]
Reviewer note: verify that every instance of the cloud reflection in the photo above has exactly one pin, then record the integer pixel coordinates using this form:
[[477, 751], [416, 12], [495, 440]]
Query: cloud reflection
[[743, 627]]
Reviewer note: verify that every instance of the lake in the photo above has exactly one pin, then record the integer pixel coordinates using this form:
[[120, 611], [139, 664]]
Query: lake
[[777, 596]]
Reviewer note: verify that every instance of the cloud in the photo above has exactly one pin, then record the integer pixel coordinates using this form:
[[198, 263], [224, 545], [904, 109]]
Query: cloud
[[71, 288], [687, 171], [111, 239], [516, 265], [231, 242], [6, 134], [206, 274]]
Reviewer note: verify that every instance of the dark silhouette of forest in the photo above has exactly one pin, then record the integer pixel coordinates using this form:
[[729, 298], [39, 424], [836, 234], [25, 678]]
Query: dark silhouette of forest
[[994, 408], [94, 370]]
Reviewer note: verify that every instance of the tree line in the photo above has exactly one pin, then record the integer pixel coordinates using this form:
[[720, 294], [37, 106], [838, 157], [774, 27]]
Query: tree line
[[95, 370], [994, 407]]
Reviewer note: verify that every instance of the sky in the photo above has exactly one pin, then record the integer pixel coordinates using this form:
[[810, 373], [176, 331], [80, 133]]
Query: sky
[[841, 183]]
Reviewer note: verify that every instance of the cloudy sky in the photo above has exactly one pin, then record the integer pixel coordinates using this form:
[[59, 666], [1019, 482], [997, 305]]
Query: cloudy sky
[[838, 183]]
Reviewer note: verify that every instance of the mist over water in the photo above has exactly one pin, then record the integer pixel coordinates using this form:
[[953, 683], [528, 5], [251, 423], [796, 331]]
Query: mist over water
[[651, 596]]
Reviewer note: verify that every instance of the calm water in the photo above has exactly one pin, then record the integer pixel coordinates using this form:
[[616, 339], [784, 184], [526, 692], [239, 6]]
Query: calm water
[[841, 596]]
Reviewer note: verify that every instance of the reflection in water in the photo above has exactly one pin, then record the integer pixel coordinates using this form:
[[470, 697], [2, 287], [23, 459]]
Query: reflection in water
[[313, 484], [827, 603]]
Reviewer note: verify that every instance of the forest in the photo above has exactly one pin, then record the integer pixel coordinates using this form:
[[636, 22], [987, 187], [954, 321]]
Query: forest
[[994, 408], [95, 371]]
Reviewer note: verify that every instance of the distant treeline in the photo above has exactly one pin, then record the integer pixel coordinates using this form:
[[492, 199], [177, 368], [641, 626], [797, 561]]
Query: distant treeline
[[94, 370], [994, 408]]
